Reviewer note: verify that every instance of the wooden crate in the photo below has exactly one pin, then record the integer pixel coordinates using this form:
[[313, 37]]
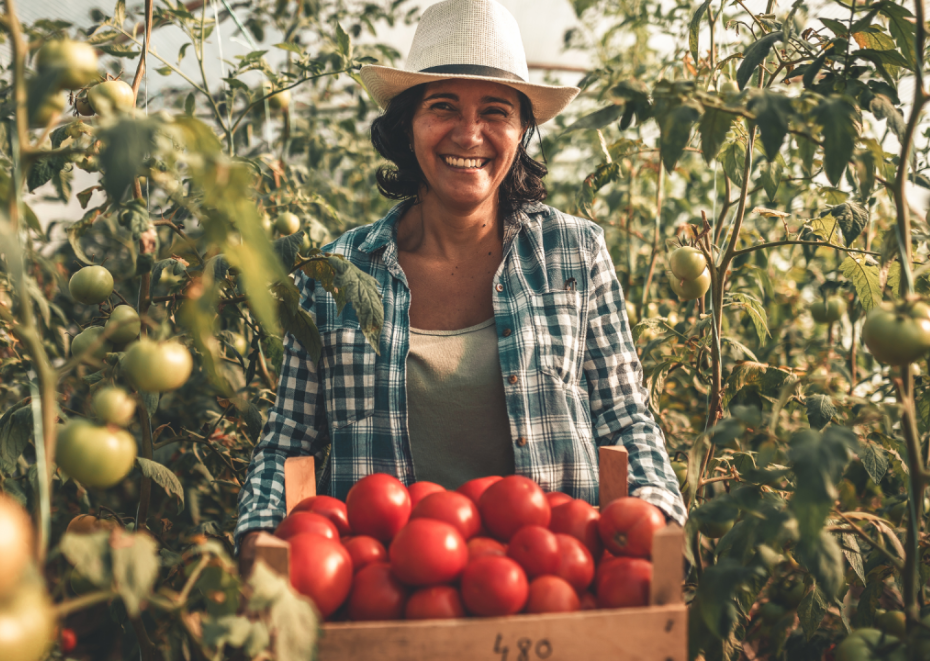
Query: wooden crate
[[657, 632]]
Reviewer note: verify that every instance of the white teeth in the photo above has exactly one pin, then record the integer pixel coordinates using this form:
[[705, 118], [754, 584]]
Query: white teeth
[[464, 162]]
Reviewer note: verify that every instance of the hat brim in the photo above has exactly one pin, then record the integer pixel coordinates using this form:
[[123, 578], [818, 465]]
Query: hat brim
[[384, 83]]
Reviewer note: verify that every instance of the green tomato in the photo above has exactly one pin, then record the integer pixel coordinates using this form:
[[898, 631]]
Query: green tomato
[[240, 344], [112, 97], [715, 529], [95, 456], [126, 324], [897, 336], [287, 223], [690, 289], [892, 623], [51, 107], [75, 62], [83, 107], [789, 594], [279, 101], [85, 338], [27, 624], [687, 263], [157, 366], [771, 612], [91, 285], [863, 644], [829, 311], [114, 405]]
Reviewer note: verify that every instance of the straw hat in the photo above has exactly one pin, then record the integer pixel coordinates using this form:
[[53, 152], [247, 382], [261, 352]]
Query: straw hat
[[471, 39]]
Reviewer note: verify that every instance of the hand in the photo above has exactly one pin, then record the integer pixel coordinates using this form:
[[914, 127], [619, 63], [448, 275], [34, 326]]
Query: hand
[[247, 552]]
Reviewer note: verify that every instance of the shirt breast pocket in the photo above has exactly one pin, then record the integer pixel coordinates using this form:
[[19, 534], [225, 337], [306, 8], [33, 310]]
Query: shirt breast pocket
[[347, 364], [557, 319]]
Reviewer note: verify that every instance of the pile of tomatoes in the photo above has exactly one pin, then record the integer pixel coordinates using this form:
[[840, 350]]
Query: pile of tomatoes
[[496, 546]]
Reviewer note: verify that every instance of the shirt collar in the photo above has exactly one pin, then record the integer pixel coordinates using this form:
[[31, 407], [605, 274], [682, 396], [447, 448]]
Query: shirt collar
[[384, 231]]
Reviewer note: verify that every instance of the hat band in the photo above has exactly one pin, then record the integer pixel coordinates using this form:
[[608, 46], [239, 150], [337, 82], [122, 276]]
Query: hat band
[[473, 70]]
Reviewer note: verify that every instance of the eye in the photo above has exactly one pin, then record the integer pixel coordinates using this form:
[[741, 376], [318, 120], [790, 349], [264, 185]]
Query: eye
[[441, 105], [496, 110]]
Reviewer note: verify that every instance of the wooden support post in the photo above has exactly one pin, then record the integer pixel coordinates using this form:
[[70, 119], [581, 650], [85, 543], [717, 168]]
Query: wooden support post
[[274, 552], [612, 470], [668, 546]]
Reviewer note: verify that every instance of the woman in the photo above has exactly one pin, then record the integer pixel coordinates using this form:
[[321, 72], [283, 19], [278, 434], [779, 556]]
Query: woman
[[506, 346]]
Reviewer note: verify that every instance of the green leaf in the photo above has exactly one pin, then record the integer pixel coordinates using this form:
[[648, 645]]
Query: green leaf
[[864, 278], [297, 321], [771, 176], [253, 421], [119, 50], [122, 158], [755, 55], [824, 560], [733, 159], [676, 132], [656, 384], [695, 28], [362, 292], [852, 219], [714, 126], [889, 57], [718, 591], [292, 619], [818, 460], [850, 546], [163, 477], [873, 460], [756, 312], [291, 47], [840, 121], [820, 410], [16, 430], [32, 220], [344, 42], [837, 28], [597, 119], [882, 107], [772, 112], [745, 373], [89, 555], [80, 228], [901, 26], [135, 568], [811, 611], [149, 401], [85, 195], [236, 631]]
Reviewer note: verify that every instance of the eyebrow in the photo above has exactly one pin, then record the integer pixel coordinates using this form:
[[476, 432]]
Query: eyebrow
[[455, 97]]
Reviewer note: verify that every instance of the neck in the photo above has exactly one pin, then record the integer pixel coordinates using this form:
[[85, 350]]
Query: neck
[[450, 231]]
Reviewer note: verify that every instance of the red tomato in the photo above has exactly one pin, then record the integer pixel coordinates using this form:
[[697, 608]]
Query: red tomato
[[493, 586], [557, 498], [426, 552], [435, 603], [513, 502], [67, 639], [364, 550], [376, 594], [551, 594], [332, 508], [378, 505], [322, 570], [479, 546], [451, 507], [306, 522], [588, 601], [420, 490], [536, 549], [577, 565], [474, 488], [578, 519], [624, 583], [627, 526]]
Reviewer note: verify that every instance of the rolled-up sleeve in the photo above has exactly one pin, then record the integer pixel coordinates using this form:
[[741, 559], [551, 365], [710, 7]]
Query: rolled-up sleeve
[[296, 426], [619, 410]]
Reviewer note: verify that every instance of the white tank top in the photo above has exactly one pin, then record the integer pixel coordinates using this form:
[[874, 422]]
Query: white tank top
[[456, 411]]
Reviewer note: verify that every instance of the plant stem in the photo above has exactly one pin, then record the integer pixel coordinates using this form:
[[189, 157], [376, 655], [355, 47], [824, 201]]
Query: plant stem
[[656, 235], [819, 244], [140, 69]]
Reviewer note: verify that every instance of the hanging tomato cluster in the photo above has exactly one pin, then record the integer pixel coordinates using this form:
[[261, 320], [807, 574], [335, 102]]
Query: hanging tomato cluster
[[496, 546]]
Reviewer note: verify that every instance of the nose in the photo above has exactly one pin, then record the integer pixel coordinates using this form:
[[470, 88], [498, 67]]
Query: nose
[[467, 132]]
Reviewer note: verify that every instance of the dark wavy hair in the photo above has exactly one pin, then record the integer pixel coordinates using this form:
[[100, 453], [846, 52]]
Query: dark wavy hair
[[390, 135]]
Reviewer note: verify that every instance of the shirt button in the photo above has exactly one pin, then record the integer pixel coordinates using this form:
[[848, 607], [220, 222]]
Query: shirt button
[[499, 287], [507, 332], [521, 441], [513, 378]]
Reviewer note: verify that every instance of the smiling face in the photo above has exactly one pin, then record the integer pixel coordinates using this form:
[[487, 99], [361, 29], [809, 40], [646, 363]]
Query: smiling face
[[465, 136]]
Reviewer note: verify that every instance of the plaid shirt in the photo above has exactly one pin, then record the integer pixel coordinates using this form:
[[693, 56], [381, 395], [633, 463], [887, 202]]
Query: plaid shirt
[[572, 377]]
